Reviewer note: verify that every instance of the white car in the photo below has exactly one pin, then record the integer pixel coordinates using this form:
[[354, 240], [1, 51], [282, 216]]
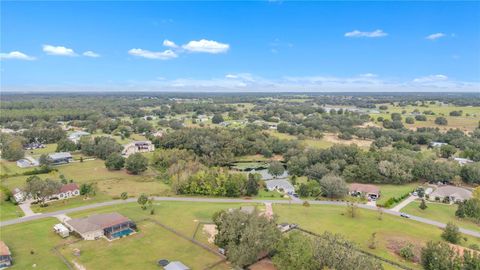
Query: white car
[[404, 215]]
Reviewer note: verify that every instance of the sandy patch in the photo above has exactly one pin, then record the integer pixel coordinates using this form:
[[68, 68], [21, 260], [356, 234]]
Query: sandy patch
[[461, 249], [78, 266], [334, 139], [211, 231]]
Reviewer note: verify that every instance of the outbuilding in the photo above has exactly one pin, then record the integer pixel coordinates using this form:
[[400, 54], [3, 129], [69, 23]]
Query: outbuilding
[[61, 230]]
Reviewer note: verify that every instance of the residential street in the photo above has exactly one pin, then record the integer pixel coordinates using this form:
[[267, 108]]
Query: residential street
[[224, 200]]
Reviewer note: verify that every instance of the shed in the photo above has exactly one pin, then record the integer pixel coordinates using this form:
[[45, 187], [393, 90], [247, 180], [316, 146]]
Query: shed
[[61, 230], [176, 265]]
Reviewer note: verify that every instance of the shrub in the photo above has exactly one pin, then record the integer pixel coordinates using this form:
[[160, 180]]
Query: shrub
[[406, 252]]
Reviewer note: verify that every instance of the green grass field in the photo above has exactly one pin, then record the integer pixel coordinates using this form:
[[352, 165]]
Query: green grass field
[[465, 123], [9, 211], [320, 218], [440, 212], [390, 191], [184, 217]]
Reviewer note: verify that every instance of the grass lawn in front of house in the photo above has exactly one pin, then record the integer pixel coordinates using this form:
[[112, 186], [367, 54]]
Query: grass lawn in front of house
[[390, 191], [440, 212], [320, 218]]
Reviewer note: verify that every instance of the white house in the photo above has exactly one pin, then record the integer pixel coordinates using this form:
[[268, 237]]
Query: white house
[[19, 195], [67, 191], [75, 136], [281, 185], [437, 144], [138, 147], [27, 162]]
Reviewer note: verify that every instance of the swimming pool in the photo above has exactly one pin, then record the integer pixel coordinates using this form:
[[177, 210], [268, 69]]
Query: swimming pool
[[121, 233]]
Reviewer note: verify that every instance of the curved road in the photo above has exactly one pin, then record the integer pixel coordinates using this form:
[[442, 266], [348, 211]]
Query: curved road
[[225, 200]]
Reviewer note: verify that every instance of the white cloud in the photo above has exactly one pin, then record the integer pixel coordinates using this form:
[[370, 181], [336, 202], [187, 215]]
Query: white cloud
[[431, 78], [435, 36], [206, 46], [16, 55], [58, 50], [165, 55], [170, 44], [91, 54], [373, 34]]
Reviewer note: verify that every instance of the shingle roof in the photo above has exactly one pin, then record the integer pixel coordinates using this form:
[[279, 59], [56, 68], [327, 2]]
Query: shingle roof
[[4, 250], [284, 184], [60, 155], [457, 192], [96, 222], [68, 187]]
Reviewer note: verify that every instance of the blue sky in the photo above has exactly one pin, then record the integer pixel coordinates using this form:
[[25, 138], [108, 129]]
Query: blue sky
[[240, 46]]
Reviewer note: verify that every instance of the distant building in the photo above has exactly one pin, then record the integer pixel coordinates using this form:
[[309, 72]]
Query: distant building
[[18, 195], [109, 225], [176, 265], [369, 191], [463, 161], [138, 147], [75, 136], [34, 145], [281, 185], [60, 158], [5, 256], [202, 118], [454, 194], [67, 191], [436, 144], [27, 162], [158, 134]]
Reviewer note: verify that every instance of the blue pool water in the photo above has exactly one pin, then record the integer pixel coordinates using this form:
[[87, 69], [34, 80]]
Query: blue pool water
[[122, 233]]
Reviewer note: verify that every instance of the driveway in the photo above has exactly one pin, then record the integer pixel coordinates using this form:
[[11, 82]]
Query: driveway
[[404, 203], [26, 208]]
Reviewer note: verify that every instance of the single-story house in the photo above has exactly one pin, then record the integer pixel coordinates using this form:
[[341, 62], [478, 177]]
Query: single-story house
[[138, 147], [18, 195], [67, 191], [463, 161], [369, 191], [280, 185], [436, 144], [61, 230], [176, 265], [454, 194], [34, 145], [60, 158], [75, 136], [109, 225], [5, 256], [27, 162]]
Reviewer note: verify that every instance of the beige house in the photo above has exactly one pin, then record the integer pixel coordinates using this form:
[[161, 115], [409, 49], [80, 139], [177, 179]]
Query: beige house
[[138, 147], [110, 225], [454, 194]]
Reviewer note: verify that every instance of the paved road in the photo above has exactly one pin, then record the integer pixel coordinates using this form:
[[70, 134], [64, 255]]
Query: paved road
[[224, 200]]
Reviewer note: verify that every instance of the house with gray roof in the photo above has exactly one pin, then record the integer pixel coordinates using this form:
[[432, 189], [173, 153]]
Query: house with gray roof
[[454, 194], [281, 185], [75, 136], [110, 225], [60, 158]]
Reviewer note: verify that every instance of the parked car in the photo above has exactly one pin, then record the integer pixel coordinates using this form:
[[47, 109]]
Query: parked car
[[404, 215]]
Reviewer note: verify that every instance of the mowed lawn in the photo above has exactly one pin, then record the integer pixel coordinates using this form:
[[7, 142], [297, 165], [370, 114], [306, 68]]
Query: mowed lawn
[[320, 218], [390, 191], [140, 251], [9, 211], [440, 212], [465, 123], [95, 171], [31, 243]]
